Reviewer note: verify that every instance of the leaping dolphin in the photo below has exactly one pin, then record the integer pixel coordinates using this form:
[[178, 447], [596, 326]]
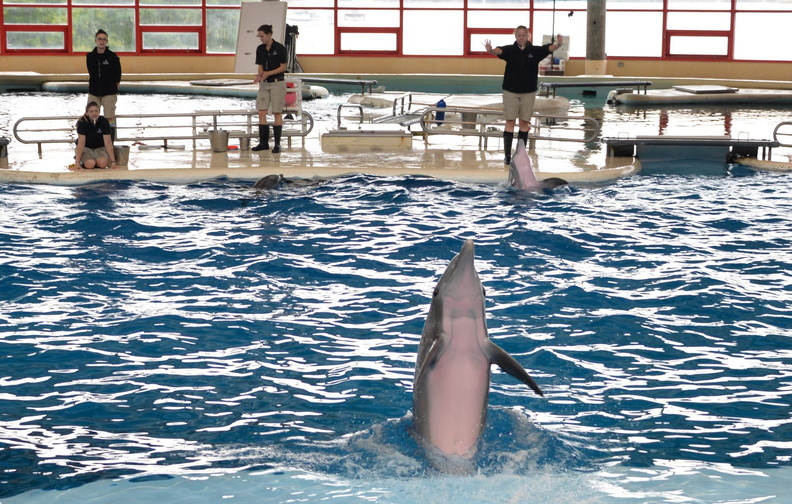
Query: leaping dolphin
[[522, 176], [452, 372]]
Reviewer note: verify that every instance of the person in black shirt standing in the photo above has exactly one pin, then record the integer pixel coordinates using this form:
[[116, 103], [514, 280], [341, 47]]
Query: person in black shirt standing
[[94, 145], [271, 59], [104, 76], [520, 81]]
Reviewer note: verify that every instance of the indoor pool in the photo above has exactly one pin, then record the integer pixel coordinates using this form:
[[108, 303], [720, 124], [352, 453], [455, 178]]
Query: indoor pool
[[208, 343]]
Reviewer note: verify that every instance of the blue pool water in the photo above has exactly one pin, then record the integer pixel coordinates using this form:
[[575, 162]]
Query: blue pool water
[[209, 343]]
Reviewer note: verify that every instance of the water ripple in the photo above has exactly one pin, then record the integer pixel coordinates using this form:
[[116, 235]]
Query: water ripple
[[177, 329]]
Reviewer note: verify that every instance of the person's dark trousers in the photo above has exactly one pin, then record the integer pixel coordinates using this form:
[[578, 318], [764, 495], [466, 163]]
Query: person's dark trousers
[[523, 135], [263, 138], [277, 130], [508, 138]]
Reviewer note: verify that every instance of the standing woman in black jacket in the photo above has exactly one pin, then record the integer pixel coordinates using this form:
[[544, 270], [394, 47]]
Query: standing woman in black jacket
[[104, 76]]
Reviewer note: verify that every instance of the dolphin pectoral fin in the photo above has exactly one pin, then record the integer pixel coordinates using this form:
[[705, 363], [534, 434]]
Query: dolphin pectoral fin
[[506, 362], [432, 356]]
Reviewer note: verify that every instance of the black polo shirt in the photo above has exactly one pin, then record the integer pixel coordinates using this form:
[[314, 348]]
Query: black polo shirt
[[522, 66], [272, 59], [94, 133]]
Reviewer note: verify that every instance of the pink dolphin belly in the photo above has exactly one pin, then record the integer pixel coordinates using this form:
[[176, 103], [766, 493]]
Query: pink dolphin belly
[[457, 395]]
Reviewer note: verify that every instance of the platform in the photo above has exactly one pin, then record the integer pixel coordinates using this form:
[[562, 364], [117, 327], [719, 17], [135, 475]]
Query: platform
[[447, 159], [709, 95], [552, 87], [171, 159], [367, 137], [719, 148]]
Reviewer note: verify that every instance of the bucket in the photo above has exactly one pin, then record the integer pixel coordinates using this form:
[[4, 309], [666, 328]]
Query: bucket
[[244, 143], [4, 151], [121, 154], [219, 140]]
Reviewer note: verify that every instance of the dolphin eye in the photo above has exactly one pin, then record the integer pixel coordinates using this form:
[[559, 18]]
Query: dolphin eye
[[435, 293], [483, 291]]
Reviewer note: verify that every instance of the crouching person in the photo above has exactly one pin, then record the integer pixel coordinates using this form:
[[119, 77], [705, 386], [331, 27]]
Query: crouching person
[[94, 144]]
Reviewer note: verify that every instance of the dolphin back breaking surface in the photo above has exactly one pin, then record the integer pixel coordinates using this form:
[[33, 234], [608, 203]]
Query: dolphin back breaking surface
[[452, 372]]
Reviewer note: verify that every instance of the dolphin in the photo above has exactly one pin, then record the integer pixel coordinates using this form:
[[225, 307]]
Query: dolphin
[[452, 371], [269, 182], [279, 181], [522, 176]]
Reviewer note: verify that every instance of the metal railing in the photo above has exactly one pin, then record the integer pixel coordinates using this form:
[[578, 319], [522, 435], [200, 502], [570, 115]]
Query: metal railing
[[355, 106], [777, 132], [486, 123], [143, 128]]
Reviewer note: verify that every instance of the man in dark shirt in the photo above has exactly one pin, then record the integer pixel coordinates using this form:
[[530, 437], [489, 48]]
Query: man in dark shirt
[[520, 81], [271, 59], [104, 76]]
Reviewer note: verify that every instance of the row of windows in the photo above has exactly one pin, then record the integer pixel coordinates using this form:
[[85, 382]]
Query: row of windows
[[719, 29]]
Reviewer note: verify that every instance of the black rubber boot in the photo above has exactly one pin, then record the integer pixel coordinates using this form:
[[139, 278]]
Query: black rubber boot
[[277, 130], [523, 135], [263, 138], [508, 137]]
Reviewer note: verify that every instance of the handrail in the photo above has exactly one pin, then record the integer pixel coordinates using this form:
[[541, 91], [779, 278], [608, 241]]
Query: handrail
[[776, 134], [402, 97], [486, 123], [146, 127], [349, 105]]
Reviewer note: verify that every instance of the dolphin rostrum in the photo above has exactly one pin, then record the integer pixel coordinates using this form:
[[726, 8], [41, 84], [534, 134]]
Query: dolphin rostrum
[[452, 372], [522, 176]]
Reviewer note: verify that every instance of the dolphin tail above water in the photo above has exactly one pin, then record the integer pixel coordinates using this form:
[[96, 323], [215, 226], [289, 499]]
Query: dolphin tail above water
[[522, 175], [452, 373]]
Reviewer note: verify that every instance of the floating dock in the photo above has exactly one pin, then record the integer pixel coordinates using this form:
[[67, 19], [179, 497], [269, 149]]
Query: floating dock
[[692, 147], [702, 95]]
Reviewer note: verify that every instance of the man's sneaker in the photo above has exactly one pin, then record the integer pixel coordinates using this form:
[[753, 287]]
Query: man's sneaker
[[260, 147], [276, 149]]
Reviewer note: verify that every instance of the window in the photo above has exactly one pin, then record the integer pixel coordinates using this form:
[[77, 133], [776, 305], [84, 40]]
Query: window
[[653, 29]]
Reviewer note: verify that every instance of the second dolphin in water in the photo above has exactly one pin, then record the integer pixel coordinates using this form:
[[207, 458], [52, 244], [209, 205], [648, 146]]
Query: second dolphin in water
[[452, 372], [522, 176]]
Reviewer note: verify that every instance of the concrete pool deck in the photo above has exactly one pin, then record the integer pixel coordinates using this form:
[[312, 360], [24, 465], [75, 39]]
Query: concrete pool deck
[[446, 157]]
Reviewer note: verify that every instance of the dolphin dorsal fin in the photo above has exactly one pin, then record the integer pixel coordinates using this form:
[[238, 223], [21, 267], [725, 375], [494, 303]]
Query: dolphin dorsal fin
[[506, 362]]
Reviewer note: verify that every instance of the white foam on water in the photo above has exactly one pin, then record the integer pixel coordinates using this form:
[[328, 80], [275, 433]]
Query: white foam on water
[[672, 482]]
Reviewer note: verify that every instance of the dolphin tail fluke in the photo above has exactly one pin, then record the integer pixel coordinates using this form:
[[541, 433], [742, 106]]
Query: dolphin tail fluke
[[506, 362]]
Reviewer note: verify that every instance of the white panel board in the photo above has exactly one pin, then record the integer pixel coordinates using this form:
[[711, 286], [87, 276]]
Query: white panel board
[[253, 15]]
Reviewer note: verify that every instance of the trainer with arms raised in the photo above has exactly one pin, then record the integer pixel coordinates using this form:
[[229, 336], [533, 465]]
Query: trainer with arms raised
[[520, 81]]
